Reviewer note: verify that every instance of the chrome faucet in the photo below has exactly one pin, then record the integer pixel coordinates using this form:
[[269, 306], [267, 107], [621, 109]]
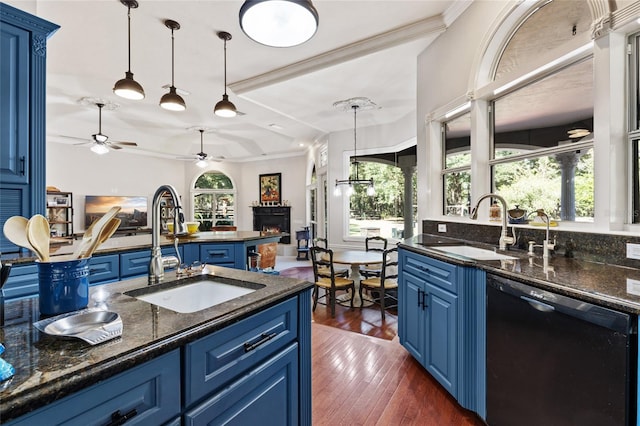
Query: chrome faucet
[[547, 245], [159, 263], [504, 238]]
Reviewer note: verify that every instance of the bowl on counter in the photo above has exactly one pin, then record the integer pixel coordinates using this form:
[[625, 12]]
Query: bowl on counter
[[192, 227]]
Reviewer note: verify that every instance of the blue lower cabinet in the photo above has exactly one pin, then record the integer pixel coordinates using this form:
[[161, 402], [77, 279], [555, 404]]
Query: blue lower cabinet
[[149, 394], [104, 269], [217, 254], [266, 395], [442, 323], [22, 282]]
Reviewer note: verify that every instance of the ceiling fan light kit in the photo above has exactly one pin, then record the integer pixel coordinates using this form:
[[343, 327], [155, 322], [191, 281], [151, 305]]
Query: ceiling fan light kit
[[225, 108], [99, 149], [172, 101], [279, 23], [127, 87], [354, 104]]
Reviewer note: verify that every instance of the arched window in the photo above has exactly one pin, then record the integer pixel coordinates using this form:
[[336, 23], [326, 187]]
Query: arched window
[[214, 200]]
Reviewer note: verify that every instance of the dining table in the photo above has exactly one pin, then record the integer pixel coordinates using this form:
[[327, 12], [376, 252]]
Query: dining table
[[356, 258]]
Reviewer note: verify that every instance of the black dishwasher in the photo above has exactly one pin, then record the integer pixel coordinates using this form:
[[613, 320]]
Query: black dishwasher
[[554, 360]]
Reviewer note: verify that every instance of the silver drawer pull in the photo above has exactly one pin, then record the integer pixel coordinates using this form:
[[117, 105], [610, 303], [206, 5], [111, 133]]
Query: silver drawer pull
[[264, 338]]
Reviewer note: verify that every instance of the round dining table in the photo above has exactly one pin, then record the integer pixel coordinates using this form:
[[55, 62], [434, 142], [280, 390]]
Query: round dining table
[[356, 258]]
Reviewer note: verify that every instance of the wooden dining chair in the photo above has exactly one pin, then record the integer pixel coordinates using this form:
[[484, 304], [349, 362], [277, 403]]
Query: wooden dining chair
[[375, 243], [340, 271], [326, 278], [385, 287]]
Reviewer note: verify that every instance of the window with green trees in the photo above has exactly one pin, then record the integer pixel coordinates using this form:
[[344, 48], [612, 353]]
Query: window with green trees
[[213, 200], [383, 213]]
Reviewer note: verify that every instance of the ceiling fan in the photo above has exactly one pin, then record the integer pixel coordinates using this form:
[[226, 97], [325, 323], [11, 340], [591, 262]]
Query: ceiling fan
[[101, 143], [201, 157]]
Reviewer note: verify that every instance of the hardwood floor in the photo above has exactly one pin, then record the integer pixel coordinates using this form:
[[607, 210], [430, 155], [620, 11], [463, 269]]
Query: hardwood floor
[[363, 380]]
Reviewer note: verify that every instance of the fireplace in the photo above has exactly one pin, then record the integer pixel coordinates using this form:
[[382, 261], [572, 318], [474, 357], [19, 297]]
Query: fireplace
[[273, 219]]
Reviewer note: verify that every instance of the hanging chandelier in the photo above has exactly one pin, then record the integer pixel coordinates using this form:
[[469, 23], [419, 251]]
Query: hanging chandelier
[[354, 104]]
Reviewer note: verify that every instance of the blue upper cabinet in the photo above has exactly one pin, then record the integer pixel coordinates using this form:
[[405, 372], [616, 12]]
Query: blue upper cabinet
[[23, 54]]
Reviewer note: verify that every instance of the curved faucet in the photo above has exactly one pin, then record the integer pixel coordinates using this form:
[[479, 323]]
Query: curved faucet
[[158, 263], [547, 245], [504, 239]]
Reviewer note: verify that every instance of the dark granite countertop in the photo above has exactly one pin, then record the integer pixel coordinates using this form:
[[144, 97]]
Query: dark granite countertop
[[612, 286], [139, 242], [49, 368]]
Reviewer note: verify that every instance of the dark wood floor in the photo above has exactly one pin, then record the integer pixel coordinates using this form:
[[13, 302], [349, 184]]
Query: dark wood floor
[[363, 380]]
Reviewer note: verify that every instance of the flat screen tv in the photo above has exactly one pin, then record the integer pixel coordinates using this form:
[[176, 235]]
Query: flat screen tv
[[133, 213]]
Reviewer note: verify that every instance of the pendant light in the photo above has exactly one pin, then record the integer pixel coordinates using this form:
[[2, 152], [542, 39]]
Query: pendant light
[[225, 108], [172, 101], [279, 23], [354, 104], [127, 87]]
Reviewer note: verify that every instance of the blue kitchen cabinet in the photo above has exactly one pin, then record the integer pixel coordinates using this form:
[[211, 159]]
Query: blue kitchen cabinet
[[104, 269], [429, 317], [220, 254], [23, 48], [22, 282], [149, 394], [248, 373], [442, 323]]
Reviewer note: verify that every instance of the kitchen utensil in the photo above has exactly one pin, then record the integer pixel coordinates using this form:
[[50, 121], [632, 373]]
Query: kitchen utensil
[[93, 231], [15, 229], [106, 233], [91, 326], [38, 234]]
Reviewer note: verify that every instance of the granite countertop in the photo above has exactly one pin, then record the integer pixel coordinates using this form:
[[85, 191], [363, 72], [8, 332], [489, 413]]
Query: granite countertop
[[612, 286], [134, 242], [49, 368]]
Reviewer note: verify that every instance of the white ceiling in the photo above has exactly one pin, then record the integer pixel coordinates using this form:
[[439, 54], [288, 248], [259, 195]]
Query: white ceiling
[[362, 48]]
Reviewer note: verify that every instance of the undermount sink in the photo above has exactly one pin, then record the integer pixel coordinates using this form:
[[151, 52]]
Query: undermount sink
[[473, 252], [193, 294]]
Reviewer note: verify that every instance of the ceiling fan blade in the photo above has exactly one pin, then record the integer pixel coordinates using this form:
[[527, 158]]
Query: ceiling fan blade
[[113, 146], [124, 143], [86, 142], [188, 157]]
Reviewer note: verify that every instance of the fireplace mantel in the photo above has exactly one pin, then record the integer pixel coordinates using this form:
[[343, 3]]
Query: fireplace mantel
[[278, 216]]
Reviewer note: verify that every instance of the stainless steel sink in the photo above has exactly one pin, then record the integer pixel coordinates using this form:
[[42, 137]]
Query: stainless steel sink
[[194, 294], [473, 253]]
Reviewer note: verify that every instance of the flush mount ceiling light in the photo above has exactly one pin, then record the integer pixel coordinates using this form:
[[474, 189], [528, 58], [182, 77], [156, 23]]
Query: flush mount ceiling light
[[172, 101], [578, 133], [225, 108], [279, 23], [127, 87], [354, 104]]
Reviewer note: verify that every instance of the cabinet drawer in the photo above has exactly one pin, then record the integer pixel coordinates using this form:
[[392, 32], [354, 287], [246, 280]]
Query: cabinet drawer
[[104, 268], [215, 254], [266, 395], [434, 271], [134, 263], [213, 361], [152, 389], [22, 282]]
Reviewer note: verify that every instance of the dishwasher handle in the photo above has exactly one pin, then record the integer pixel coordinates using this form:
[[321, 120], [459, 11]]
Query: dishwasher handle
[[536, 304]]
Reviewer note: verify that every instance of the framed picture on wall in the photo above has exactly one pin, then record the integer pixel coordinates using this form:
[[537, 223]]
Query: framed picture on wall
[[270, 188]]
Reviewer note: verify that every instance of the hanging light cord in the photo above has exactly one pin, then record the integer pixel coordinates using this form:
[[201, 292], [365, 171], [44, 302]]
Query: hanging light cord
[[355, 152], [225, 66], [172, 58], [129, 33]]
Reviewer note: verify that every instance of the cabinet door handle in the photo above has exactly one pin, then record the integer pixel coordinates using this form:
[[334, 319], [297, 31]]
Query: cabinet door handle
[[424, 300], [264, 338], [22, 164], [420, 299], [120, 419]]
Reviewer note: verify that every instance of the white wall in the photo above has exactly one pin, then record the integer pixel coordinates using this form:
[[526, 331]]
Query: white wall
[[78, 170]]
